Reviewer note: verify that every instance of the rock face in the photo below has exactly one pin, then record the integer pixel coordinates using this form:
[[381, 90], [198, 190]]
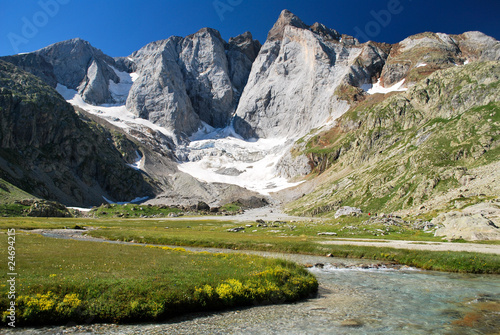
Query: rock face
[[419, 55], [75, 64], [48, 151], [346, 210], [294, 80], [183, 82]]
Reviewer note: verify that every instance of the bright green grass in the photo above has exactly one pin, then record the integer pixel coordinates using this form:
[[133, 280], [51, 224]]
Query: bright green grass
[[302, 239], [429, 260], [61, 281]]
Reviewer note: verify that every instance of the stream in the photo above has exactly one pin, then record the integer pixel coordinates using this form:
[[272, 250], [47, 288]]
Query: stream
[[354, 298]]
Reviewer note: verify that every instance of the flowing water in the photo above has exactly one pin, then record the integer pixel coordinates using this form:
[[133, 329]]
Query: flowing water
[[352, 300]]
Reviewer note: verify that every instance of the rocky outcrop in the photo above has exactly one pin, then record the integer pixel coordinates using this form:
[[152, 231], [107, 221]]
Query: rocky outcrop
[[75, 64], [36, 65], [346, 210], [468, 227], [293, 83], [48, 151], [183, 82], [419, 55], [48, 209]]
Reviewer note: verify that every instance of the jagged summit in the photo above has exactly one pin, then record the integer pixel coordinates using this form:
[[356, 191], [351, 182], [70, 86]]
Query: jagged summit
[[286, 18], [325, 32], [246, 44], [206, 30]]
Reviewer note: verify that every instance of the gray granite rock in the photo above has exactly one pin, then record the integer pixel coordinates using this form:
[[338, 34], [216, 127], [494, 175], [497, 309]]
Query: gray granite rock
[[183, 82], [80, 66], [293, 83], [159, 94]]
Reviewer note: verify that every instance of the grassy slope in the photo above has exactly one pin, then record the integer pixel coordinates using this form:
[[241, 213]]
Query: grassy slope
[[9, 194], [410, 146], [62, 281]]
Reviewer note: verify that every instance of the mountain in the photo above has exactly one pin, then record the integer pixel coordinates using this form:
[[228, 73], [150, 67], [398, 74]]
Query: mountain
[[51, 152], [294, 80], [75, 64], [304, 75], [312, 117], [435, 147]]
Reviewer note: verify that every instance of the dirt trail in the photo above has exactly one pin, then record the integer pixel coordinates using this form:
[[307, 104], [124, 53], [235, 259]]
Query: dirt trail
[[420, 245]]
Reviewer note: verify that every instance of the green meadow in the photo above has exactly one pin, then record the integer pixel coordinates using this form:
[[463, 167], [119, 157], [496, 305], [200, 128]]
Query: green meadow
[[61, 281]]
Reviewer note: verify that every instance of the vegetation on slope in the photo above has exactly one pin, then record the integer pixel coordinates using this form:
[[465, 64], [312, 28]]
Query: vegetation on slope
[[403, 149], [49, 151]]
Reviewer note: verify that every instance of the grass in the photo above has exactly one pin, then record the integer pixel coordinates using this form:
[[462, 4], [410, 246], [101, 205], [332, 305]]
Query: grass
[[131, 210], [8, 195], [288, 237], [429, 260], [12, 210], [61, 281]]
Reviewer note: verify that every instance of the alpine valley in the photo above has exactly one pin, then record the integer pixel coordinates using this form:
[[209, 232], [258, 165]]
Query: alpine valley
[[312, 120]]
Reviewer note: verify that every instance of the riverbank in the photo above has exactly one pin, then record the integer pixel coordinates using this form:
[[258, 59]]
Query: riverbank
[[64, 280], [349, 301], [424, 255], [420, 245]]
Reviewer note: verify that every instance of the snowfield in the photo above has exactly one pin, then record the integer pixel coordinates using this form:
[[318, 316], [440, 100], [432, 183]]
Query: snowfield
[[222, 156], [212, 155], [378, 88], [117, 115]]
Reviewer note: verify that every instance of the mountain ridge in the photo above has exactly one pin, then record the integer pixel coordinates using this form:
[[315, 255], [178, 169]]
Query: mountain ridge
[[181, 96]]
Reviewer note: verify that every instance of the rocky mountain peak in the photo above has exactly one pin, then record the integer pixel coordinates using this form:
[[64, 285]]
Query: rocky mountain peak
[[285, 19], [325, 32], [205, 32], [478, 46], [75, 64], [246, 44]]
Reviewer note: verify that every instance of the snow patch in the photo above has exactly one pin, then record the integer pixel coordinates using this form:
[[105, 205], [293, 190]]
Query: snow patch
[[136, 200], [84, 210], [466, 62], [222, 156], [378, 88], [421, 65], [139, 163], [119, 91], [117, 115]]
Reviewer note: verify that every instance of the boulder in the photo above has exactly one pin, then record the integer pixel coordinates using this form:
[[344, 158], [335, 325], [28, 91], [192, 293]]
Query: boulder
[[474, 227], [48, 209], [346, 210]]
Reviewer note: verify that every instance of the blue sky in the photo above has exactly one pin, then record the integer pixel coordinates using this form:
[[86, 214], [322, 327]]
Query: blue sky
[[121, 27]]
